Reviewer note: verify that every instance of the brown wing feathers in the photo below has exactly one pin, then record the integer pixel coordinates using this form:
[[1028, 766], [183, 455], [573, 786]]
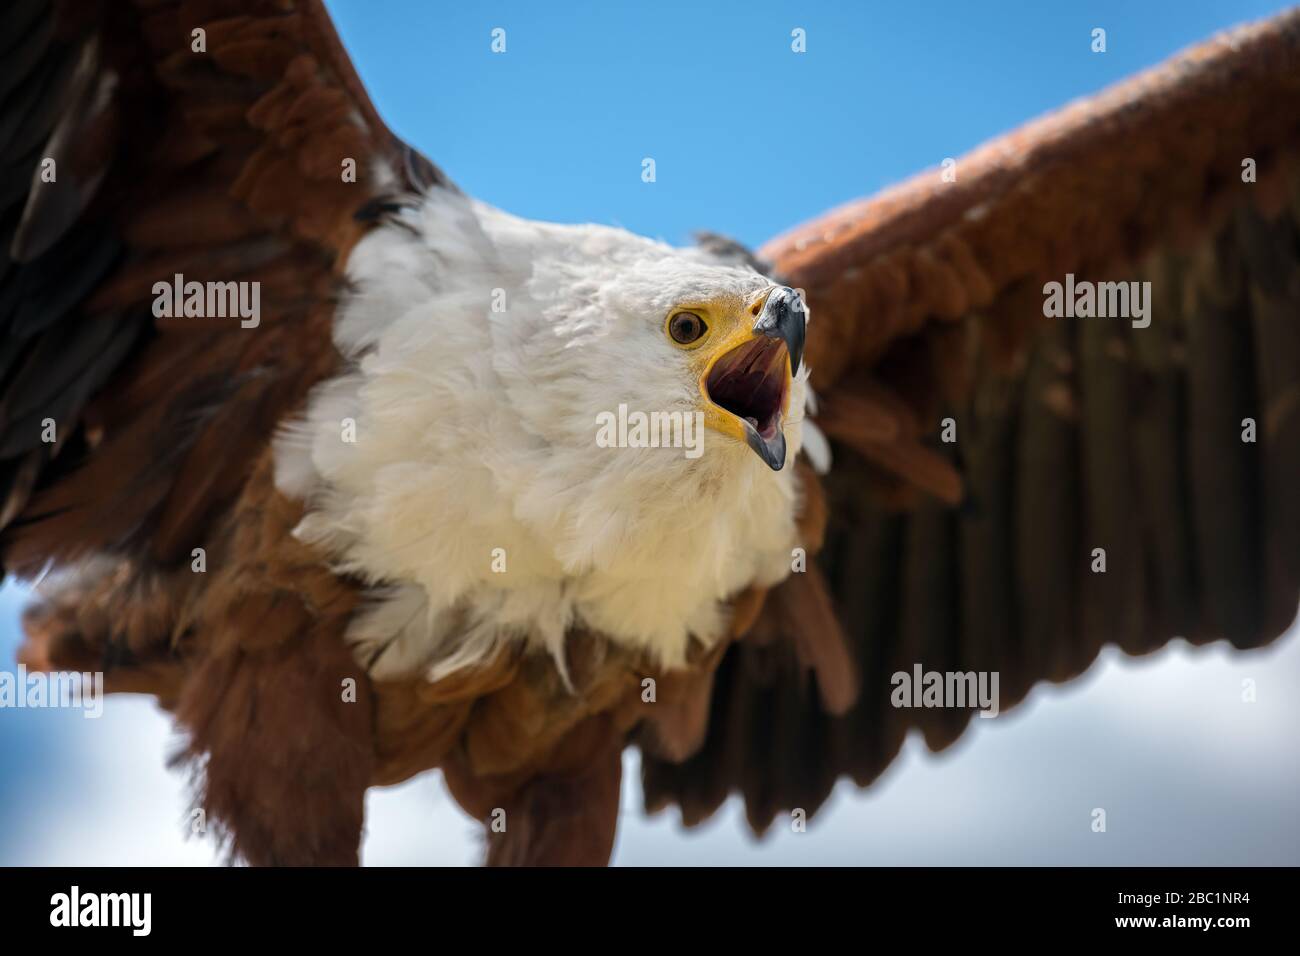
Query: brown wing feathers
[[1072, 434], [1161, 153], [220, 160], [221, 164]]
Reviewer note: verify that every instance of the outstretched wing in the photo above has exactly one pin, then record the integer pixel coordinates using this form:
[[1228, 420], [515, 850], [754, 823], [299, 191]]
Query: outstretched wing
[[208, 141], [1170, 448]]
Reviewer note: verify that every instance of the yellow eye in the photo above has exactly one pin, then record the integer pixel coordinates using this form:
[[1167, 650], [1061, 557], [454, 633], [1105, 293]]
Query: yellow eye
[[686, 327]]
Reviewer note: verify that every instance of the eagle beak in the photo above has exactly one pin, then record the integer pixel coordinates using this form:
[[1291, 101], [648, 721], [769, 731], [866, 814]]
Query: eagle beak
[[783, 317], [748, 383]]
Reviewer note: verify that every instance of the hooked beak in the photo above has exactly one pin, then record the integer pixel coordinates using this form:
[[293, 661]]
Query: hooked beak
[[783, 317], [750, 380]]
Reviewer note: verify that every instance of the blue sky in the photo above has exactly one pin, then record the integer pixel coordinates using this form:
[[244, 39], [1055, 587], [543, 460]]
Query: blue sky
[[750, 139]]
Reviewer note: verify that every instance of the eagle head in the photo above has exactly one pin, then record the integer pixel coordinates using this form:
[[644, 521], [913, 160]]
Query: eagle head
[[744, 352], [618, 324]]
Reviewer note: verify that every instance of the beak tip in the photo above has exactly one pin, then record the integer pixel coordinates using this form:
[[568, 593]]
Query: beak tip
[[771, 451]]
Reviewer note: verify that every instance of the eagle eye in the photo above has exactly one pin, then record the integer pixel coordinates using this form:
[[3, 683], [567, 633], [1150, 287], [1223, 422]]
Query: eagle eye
[[686, 327]]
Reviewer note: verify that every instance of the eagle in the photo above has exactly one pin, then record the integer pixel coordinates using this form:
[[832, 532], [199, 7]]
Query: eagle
[[361, 477]]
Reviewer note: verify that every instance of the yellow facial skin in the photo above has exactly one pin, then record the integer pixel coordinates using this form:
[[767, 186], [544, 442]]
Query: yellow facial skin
[[730, 322]]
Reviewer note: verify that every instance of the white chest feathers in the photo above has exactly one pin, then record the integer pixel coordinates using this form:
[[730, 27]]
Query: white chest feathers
[[456, 467]]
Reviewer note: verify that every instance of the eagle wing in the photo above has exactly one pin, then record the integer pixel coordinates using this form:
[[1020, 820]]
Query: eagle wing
[[221, 141], [986, 457], [170, 142]]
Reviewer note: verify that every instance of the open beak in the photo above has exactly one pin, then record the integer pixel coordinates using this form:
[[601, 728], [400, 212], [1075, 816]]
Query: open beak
[[749, 380]]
